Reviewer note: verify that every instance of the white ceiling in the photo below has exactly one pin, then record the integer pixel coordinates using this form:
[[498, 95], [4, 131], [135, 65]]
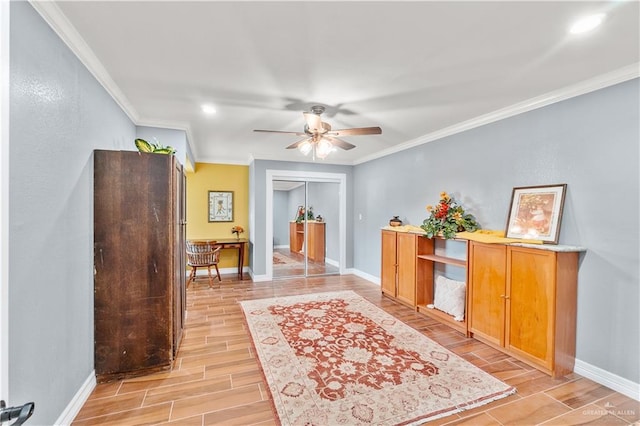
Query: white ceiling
[[419, 70]]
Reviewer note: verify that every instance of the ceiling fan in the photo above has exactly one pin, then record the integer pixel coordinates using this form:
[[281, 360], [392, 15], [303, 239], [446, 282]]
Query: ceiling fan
[[318, 136]]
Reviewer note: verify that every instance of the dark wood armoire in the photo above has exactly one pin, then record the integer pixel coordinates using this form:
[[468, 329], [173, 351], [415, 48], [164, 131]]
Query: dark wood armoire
[[139, 258]]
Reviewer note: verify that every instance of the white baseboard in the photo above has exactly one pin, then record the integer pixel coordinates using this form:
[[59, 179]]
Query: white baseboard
[[259, 278], [610, 380], [332, 262], [203, 272], [281, 247], [78, 400], [364, 275]]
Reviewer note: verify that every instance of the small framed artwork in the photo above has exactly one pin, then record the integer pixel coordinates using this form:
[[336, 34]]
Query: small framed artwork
[[220, 206], [536, 212]]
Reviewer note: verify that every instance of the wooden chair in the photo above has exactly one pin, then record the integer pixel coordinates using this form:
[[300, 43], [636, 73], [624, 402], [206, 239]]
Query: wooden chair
[[203, 254]]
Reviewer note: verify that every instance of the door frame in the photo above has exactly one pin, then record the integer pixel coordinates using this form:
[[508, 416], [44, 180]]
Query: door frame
[[302, 176], [4, 200]]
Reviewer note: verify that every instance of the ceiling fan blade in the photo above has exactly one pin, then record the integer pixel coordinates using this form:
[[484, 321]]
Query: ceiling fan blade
[[298, 143], [356, 131], [340, 143], [314, 123], [281, 131]]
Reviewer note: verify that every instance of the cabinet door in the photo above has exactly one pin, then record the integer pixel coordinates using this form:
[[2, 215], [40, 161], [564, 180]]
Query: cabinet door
[[310, 234], [487, 291], [406, 256], [531, 304], [293, 238], [315, 242], [388, 263], [179, 255]]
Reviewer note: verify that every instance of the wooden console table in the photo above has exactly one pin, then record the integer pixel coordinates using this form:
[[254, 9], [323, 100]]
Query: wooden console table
[[236, 244]]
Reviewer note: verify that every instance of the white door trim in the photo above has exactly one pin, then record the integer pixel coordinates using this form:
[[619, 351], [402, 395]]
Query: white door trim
[[302, 176], [4, 200]]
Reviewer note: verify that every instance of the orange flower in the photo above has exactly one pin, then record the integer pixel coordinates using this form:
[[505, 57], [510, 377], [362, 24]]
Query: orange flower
[[444, 196], [429, 208], [237, 229]]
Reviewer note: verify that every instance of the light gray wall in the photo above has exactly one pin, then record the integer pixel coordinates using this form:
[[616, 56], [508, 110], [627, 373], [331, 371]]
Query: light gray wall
[[296, 199], [172, 137], [257, 203], [325, 199], [590, 143], [281, 218], [59, 115]]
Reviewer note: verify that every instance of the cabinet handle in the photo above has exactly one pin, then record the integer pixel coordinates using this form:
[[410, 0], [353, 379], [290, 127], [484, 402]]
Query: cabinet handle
[[504, 296]]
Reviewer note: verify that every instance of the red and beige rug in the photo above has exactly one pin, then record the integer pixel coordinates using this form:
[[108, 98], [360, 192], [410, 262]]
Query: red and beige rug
[[337, 359], [282, 259]]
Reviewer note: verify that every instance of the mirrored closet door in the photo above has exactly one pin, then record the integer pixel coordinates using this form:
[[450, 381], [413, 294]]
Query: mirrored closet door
[[305, 228]]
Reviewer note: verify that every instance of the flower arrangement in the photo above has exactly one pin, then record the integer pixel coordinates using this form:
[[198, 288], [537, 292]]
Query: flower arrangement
[[237, 229], [447, 218]]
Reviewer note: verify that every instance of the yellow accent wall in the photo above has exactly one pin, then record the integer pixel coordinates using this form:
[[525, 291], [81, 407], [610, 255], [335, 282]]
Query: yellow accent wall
[[218, 177]]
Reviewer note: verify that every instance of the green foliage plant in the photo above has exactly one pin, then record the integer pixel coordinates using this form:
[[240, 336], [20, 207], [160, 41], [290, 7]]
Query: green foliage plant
[[447, 218], [144, 146]]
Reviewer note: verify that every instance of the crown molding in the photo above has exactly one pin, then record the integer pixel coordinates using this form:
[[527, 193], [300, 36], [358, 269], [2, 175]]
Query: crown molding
[[57, 20], [52, 14], [600, 82], [220, 160]]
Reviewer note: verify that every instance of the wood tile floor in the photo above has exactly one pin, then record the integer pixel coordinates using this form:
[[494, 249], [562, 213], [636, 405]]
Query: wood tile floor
[[294, 266], [217, 380]]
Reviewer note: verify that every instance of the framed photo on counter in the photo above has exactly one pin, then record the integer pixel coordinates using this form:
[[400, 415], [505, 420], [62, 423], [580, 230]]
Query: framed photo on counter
[[536, 212]]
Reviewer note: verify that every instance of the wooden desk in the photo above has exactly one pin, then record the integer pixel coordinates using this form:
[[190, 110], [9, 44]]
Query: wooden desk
[[234, 243]]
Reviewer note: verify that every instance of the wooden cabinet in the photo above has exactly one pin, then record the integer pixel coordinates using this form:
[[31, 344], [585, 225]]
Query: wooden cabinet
[[487, 275], [398, 266], [429, 261], [315, 232], [139, 260], [524, 301]]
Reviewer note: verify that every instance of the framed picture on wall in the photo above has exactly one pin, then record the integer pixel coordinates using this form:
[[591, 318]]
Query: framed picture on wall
[[220, 206], [536, 212]]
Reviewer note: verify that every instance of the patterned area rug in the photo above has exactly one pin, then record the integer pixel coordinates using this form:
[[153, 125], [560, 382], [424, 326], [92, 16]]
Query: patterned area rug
[[335, 358], [280, 259]]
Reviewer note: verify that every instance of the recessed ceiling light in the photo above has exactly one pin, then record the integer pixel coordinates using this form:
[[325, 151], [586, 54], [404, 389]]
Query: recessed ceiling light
[[208, 109], [587, 23]]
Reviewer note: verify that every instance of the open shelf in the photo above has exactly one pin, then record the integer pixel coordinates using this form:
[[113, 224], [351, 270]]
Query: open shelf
[[443, 317], [442, 259], [427, 267]]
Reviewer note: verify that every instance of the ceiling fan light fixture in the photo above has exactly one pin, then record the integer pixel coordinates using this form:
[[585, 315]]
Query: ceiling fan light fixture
[[305, 147], [320, 140], [323, 148]]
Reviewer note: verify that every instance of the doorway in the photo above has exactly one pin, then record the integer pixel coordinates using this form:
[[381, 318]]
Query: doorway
[[298, 244], [305, 229]]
